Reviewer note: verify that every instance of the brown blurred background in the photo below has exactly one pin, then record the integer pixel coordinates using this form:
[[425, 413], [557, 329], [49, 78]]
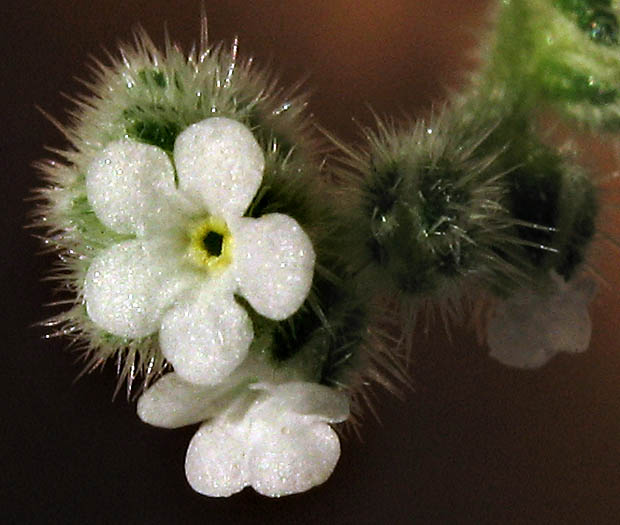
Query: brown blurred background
[[473, 442]]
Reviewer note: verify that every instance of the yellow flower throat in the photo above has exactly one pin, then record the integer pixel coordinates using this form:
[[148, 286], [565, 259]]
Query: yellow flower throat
[[210, 245]]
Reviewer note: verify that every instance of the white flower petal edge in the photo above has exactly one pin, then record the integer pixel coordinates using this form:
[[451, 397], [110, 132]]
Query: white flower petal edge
[[530, 328], [273, 447], [129, 286], [162, 280], [275, 264], [219, 160], [129, 186], [207, 338], [173, 402]]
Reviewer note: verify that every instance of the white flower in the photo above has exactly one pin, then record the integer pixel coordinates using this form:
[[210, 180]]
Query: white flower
[[193, 250], [280, 444], [531, 327]]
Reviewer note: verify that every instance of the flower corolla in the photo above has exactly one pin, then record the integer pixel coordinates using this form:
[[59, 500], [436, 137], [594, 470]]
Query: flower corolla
[[531, 327], [275, 438], [190, 249]]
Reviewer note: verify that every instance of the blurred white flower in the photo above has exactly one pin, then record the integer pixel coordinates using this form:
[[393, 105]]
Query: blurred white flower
[[275, 438], [529, 328], [193, 249]]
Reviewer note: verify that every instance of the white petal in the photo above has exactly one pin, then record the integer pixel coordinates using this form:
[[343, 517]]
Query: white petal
[[293, 449], [216, 462], [129, 286], [207, 338], [219, 160], [568, 328], [131, 188], [319, 402], [290, 456], [172, 402], [514, 341], [530, 328], [275, 264], [569, 319]]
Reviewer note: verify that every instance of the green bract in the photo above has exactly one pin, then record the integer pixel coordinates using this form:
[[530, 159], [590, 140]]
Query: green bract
[[565, 52]]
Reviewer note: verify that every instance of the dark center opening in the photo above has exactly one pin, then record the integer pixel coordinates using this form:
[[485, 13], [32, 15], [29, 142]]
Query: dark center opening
[[213, 243]]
